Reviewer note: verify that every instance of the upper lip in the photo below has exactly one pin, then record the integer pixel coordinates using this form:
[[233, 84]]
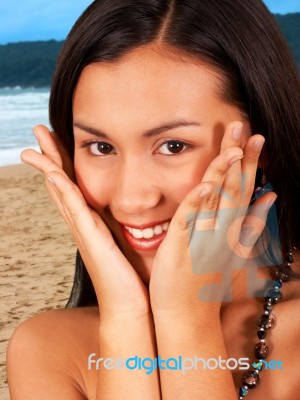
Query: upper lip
[[144, 226]]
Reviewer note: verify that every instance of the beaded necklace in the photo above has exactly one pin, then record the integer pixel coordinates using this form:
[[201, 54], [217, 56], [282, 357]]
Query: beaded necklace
[[251, 379]]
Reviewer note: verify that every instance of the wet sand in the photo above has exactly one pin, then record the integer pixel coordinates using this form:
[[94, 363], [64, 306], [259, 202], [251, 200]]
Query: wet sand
[[37, 254]]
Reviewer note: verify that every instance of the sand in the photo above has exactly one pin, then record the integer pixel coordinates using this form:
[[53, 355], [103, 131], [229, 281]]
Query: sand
[[37, 254]]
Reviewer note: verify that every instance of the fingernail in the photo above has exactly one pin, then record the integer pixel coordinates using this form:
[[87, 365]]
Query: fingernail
[[258, 144], [204, 192], [235, 159], [237, 132]]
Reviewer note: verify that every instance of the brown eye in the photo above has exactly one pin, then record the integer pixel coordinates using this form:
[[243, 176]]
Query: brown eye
[[173, 147], [101, 149]]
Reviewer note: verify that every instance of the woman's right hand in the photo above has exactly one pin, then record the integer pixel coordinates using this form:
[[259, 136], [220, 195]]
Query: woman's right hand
[[119, 289]]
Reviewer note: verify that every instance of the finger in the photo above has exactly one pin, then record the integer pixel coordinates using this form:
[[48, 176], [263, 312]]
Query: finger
[[205, 196], [251, 227], [76, 210], [233, 136], [252, 152], [101, 255], [44, 164], [40, 161], [184, 218], [84, 222], [231, 189], [52, 146], [66, 195], [56, 198], [239, 186], [216, 173], [224, 173], [258, 212], [78, 216], [47, 144]]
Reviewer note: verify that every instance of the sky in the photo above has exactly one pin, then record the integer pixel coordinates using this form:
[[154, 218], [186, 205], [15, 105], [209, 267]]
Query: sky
[[27, 20]]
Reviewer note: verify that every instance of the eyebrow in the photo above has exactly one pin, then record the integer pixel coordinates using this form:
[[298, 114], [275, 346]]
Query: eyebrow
[[149, 133]]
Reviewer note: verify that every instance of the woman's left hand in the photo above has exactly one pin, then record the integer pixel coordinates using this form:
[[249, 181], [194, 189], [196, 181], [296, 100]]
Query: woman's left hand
[[209, 233]]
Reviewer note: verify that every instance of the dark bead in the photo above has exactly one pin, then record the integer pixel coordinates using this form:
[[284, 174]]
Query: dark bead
[[269, 300], [289, 258], [286, 268], [274, 296], [272, 321], [261, 334], [261, 350], [277, 284], [283, 276], [250, 379], [268, 307], [258, 365], [243, 392], [263, 322], [266, 322]]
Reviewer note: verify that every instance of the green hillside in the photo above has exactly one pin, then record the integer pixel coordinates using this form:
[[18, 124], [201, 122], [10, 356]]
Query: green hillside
[[28, 63], [290, 26], [31, 63]]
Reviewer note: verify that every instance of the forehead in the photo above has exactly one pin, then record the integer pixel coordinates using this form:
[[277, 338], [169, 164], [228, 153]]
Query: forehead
[[146, 82]]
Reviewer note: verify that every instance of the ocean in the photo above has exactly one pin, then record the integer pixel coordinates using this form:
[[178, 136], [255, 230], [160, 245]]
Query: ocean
[[20, 111]]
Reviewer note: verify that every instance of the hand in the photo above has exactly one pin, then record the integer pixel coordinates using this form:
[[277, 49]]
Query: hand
[[119, 289], [209, 233]]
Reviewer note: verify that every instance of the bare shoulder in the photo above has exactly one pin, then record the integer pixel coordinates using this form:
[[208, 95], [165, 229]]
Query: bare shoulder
[[47, 355]]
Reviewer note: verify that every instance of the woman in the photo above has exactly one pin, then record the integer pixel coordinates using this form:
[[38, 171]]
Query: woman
[[163, 109]]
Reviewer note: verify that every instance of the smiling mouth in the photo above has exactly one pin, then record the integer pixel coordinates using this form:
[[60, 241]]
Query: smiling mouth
[[148, 233], [148, 238]]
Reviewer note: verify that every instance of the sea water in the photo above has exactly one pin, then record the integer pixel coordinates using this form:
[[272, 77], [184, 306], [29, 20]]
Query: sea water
[[20, 111]]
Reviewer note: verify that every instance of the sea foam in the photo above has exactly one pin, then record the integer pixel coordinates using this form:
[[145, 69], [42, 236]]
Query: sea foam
[[20, 111]]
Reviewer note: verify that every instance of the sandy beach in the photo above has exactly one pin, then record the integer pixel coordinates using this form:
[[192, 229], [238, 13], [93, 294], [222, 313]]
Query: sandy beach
[[36, 254]]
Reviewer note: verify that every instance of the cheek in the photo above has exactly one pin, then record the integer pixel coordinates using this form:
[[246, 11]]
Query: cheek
[[94, 189], [187, 177]]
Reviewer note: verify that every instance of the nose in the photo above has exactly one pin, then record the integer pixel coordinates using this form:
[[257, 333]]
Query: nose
[[136, 188]]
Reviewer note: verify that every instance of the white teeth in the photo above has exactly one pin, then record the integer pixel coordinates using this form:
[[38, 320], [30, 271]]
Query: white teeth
[[158, 230], [166, 226], [148, 233], [136, 233]]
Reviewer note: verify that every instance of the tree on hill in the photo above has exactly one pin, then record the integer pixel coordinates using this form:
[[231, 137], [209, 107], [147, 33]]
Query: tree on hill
[[28, 63]]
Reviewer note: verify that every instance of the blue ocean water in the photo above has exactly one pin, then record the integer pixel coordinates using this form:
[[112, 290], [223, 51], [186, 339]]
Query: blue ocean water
[[20, 111]]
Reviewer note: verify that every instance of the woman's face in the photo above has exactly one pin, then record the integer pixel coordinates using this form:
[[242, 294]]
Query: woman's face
[[146, 128]]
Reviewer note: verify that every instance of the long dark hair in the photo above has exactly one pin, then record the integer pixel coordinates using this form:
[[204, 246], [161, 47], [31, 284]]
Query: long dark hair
[[238, 38]]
